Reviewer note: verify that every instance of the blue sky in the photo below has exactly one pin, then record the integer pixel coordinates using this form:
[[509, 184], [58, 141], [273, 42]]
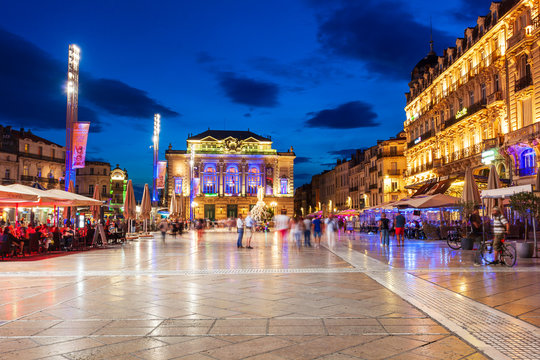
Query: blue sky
[[324, 76]]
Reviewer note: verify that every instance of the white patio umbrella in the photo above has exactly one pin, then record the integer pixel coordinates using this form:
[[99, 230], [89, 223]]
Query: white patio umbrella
[[146, 207], [173, 206], [130, 207], [96, 209], [493, 183]]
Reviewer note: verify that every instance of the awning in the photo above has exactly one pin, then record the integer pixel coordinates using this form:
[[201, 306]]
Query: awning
[[434, 187], [428, 201], [504, 193]]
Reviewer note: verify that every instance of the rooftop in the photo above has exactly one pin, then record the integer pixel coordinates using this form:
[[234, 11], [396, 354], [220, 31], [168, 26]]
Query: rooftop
[[223, 134]]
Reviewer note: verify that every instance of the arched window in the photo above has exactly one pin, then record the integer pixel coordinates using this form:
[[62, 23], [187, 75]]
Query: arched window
[[209, 179], [284, 186], [232, 181], [527, 162], [254, 180]]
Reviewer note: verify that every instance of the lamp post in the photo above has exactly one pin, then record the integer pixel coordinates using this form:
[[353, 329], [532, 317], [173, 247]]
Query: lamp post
[[155, 138], [72, 110], [192, 172]]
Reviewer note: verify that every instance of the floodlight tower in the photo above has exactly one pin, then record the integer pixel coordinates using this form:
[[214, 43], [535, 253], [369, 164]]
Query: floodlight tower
[[191, 192], [72, 109], [157, 124]]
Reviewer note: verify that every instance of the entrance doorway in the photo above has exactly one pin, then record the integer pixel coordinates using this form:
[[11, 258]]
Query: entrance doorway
[[232, 211], [210, 211]]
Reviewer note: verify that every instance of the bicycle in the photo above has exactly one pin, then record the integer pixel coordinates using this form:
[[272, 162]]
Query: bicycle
[[508, 252], [453, 239]]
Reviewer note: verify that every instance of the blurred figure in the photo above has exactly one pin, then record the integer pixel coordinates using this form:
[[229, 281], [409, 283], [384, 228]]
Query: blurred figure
[[384, 227], [240, 228], [317, 232], [282, 225], [331, 229], [163, 226], [307, 232], [298, 230], [399, 224]]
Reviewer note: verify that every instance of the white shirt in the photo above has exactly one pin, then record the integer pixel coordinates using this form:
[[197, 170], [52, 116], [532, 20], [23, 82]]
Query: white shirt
[[282, 222], [249, 221], [239, 223]]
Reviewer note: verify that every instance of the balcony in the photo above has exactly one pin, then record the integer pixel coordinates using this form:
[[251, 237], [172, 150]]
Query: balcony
[[421, 168], [494, 97], [490, 143], [372, 186], [393, 172], [421, 138], [40, 157], [523, 83], [27, 178], [384, 154], [466, 113], [52, 181], [372, 169], [529, 132], [517, 37], [463, 153], [8, 181], [353, 189]]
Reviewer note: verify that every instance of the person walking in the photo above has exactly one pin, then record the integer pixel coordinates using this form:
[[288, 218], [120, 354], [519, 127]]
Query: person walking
[[317, 232], [163, 227], [307, 232], [250, 227], [331, 229], [240, 228], [500, 228], [282, 225], [298, 229], [384, 227], [399, 225]]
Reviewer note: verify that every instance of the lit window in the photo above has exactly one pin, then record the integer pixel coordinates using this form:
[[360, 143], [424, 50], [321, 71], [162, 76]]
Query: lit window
[[178, 185], [232, 181], [254, 180], [284, 186], [209, 180]]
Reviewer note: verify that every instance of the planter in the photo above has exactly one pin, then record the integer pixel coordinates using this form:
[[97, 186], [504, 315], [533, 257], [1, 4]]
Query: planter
[[525, 249], [467, 243]]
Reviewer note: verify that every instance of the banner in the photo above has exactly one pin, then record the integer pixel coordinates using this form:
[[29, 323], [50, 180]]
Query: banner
[[161, 171], [178, 185], [80, 136]]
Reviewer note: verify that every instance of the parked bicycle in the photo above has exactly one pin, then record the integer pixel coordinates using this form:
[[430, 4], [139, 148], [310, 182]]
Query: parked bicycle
[[453, 239], [508, 252]]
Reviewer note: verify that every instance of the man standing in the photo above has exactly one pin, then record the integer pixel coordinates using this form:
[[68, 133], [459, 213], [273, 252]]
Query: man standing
[[500, 227], [307, 232], [240, 227], [384, 227], [400, 229], [476, 232], [250, 224]]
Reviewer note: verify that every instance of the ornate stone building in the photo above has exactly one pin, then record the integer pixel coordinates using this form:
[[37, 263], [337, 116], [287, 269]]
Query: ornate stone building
[[476, 104], [95, 173], [228, 166], [119, 179]]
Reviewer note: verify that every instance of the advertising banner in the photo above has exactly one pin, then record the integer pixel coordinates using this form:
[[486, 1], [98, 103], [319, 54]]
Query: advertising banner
[[161, 171], [80, 136], [178, 186]]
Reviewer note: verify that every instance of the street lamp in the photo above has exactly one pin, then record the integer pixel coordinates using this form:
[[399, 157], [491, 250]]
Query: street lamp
[[72, 109], [155, 139], [191, 172]]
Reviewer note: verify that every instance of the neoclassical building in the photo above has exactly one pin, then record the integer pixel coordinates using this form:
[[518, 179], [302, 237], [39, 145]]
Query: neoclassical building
[[477, 105], [227, 168]]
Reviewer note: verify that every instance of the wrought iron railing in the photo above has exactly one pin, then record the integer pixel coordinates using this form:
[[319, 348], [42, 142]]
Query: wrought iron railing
[[523, 83]]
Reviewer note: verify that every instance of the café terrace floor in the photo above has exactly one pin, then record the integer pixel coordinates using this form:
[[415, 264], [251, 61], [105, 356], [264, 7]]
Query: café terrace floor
[[189, 298]]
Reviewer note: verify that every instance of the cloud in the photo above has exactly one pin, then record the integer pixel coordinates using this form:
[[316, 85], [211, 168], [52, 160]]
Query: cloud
[[330, 164], [381, 34], [302, 160], [351, 115], [32, 91], [469, 10], [247, 91], [247, 115], [344, 152], [204, 57]]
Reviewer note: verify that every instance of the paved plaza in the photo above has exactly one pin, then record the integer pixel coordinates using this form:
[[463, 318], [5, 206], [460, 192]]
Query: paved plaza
[[189, 298]]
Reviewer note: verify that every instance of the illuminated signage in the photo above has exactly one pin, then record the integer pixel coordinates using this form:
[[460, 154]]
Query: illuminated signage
[[461, 113], [417, 140], [488, 156], [178, 185]]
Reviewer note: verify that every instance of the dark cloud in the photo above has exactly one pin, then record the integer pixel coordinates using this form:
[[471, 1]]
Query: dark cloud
[[381, 34], [118, 98], [302, 160], [351, 115], [247, 91], [344, 152], [469, 10], [331, 164], [205, 58], [247, 115], [32, 91]]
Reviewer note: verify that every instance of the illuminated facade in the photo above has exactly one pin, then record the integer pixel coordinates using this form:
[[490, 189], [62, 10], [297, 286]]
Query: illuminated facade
[[228, 166], [119, 179], [95, 173], [476, 105]]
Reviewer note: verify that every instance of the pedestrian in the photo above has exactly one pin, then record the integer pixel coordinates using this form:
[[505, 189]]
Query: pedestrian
[[163, 226], [240, 228], [331, 229], [400, 229], [298, 228], [384, 226], [250, 227], [317, 232], [476, 233], [307, 232], [282, 225], [500, 228]]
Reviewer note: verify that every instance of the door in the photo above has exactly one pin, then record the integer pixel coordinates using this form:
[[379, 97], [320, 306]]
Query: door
[[232, 211], [210, 211]]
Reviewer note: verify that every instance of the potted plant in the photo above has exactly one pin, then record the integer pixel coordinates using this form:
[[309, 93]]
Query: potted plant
[[526, 204]]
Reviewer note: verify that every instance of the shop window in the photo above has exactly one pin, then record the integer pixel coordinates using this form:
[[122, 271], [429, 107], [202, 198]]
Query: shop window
[[232, 180], [209, 180], [254, 180]]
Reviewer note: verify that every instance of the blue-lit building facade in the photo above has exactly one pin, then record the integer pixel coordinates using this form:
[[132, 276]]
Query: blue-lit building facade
[[218, 174]]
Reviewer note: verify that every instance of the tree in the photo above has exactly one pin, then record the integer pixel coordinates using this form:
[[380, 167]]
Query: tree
[[525, 204]]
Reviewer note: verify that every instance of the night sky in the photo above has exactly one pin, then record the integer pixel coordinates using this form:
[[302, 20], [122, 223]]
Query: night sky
[[323, 76]]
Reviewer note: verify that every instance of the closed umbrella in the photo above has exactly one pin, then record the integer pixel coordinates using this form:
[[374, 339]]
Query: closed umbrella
[[173, 206], [470, 189], [146, 206], [69, 210], [130, 207], [96, 209], [493, 183]]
